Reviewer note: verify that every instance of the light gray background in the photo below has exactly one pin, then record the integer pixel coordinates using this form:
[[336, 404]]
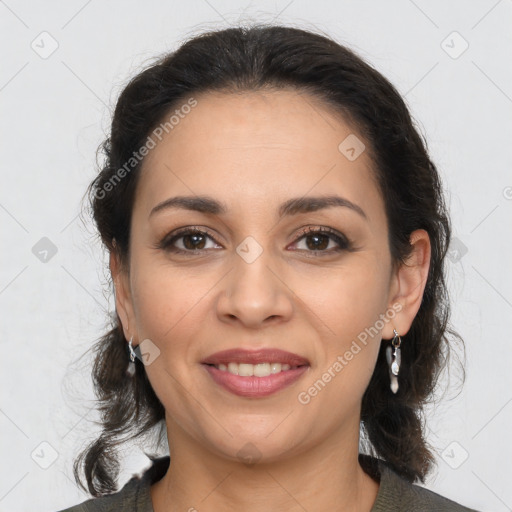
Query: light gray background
[[55, 111]]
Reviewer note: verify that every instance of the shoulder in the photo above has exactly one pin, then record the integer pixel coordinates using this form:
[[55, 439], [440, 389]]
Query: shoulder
[[413, 497], [125, 499], [399, 495], [134, 496]]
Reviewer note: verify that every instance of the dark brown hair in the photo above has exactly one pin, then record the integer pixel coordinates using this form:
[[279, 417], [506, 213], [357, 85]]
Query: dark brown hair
[[276, 57]]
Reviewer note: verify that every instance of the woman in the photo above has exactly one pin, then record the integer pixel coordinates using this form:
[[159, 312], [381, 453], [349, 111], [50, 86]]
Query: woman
[[277, 234]]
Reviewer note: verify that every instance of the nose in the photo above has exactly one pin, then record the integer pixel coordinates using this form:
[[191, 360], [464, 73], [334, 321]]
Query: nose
[[254, 293]]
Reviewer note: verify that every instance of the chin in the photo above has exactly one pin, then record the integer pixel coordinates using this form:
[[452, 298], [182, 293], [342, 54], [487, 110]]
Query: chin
[[256, 448]]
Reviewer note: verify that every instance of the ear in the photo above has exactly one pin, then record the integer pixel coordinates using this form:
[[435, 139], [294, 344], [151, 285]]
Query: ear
[[124, 306], [408, 284]]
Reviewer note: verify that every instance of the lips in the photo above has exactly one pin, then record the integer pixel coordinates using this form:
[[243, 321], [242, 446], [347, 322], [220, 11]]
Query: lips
[[252, 386], [255, 387], [255, 357]]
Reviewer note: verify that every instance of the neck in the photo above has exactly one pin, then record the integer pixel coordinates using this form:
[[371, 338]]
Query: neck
[[326, 477]]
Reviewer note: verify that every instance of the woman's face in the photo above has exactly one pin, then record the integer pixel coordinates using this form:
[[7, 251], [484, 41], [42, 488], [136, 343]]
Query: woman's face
[[257, 279]]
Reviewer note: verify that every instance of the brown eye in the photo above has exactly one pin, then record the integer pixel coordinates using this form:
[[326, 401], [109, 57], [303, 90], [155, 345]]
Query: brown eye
[[318, 241], [323, 240], [193, 241], [187, 241]]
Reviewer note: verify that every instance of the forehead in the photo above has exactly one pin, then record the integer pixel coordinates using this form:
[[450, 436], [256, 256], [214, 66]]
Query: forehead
[[250, 148]]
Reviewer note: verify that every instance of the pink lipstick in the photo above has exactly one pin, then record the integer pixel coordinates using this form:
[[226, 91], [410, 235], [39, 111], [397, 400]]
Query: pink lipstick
[[257, 373]]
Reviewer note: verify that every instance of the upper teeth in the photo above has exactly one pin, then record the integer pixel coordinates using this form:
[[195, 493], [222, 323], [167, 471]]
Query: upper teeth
[[248, 370]]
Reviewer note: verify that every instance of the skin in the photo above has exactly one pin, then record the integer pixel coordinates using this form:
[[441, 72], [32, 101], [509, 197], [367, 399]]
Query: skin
[[253, 151]]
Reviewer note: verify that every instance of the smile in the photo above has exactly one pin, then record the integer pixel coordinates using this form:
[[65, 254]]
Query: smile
[[256, 370], [255, 381]]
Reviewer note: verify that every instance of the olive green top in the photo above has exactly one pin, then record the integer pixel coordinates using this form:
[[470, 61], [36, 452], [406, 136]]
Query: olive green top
[[395, 494]]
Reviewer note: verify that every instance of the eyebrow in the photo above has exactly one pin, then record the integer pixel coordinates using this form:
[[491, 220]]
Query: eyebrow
[[208, 205]]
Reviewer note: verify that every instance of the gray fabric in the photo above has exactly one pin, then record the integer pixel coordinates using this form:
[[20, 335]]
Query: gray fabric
[[395, 494]]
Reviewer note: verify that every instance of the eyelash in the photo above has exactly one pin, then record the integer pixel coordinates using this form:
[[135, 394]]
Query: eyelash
[[344, 244]]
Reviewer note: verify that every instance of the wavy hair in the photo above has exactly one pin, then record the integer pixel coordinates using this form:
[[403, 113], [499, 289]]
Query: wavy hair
[[254, 58]]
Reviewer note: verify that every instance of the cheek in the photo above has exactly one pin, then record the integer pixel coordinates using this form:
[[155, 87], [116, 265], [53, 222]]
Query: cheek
[[168, 303], [348, 302], [348, 298], [169, 309]]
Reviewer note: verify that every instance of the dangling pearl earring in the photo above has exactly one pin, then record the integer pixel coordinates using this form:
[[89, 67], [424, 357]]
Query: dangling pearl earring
[[130, 371], [394, 360]]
